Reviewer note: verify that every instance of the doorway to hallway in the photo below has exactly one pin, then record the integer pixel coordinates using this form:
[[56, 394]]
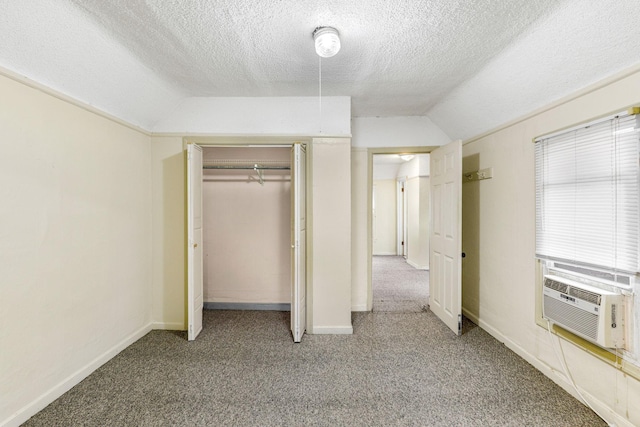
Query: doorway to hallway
[[436, 241], [400, 232]]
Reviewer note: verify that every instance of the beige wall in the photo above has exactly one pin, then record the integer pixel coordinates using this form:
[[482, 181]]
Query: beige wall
[[168, 219], [360, 260], [330, 246], [417, 193], [75, 245], [384, 217], [499, 240], [425, 221]]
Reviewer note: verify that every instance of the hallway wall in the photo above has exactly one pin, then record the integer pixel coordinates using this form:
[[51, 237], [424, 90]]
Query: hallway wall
[[385, 217], [418, 217]]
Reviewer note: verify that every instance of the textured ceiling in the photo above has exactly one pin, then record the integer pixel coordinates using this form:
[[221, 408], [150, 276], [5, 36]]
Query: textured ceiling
[[464, 65], [398, 57]]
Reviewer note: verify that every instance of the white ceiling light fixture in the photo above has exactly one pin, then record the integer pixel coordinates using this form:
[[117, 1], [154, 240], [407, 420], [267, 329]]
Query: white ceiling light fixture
[[407, 157], [327, 40]]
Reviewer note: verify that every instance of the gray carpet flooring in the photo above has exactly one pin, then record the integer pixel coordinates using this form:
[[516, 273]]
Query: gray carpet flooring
[[397, 369], [397, 286]]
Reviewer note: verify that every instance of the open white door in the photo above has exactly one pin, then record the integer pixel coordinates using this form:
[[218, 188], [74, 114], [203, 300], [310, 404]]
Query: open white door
[[298, 242], [194, 241], [445, 278]]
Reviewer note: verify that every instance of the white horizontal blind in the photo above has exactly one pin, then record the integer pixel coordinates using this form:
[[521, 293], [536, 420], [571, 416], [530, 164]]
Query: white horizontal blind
[[587, 196]]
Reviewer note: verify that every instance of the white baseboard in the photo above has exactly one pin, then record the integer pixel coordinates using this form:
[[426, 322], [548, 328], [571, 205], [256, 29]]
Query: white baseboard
[[269, 306], [470, 316], [332, 330], [417, 266], [385, 254], [359, 307], [557, 377], [168, 326], [65, 385]]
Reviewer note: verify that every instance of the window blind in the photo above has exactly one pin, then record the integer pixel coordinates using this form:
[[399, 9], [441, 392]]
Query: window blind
[[587, 196]]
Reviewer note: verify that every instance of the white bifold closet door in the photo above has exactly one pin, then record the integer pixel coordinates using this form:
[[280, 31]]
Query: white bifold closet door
[[445, 255], [195, 294], [298, 242]]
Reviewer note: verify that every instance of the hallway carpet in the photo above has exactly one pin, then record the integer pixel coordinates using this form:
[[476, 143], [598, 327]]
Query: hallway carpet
[[397, 286], [397, 369]]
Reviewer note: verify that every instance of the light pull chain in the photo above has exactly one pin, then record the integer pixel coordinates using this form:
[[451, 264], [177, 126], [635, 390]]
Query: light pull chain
[[320, 91]]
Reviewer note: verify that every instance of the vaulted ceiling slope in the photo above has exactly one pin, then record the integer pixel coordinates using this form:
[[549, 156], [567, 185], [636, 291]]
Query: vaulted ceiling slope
[[469, 65]]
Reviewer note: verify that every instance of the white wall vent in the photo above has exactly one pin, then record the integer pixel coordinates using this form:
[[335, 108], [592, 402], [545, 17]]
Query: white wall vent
[[587, 311]]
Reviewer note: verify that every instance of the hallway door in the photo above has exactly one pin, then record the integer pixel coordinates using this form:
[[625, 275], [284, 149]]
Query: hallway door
[[298, 242], [445, 297], [195, 294]]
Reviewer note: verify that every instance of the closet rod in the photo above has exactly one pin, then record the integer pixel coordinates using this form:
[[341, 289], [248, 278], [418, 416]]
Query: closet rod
[[258, 167], [246, 164]]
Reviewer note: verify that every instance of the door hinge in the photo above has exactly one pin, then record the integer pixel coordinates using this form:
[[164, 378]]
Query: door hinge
[[459, 323], [403, 243], [403, 189]]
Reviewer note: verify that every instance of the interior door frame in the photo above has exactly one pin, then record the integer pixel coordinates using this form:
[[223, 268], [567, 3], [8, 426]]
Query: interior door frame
[[401, 217], [422, 149], [264, 142]]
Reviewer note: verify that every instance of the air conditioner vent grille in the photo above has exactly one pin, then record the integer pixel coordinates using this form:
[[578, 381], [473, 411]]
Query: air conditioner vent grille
[[572, 317], [557, 286], [584, 295]]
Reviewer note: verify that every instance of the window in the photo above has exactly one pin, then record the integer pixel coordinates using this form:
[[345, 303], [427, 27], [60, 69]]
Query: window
[[588, 213], [587, 199]]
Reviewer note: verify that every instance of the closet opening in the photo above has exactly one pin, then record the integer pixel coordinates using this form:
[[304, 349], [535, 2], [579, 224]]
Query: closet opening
[[246, 206], [252, 252]]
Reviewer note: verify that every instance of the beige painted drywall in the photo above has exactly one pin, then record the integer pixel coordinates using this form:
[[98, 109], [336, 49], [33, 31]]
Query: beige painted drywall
[[384, 215], [417, 194], [247, 229], [498, 272], [425, 221], [168, 196], [360, 260], [330, 243], [75, 245]]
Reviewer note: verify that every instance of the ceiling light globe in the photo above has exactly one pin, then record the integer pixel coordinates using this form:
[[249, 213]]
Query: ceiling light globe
[[327, 40]]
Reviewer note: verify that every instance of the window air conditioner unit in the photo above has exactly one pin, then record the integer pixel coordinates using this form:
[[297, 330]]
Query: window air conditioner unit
[[592, 313]]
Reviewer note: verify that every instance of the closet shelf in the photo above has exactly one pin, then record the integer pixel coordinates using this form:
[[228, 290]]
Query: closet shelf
[[247, 164]]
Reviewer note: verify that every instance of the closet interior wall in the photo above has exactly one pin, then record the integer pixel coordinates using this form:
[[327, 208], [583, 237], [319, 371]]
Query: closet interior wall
[[247, 228]]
